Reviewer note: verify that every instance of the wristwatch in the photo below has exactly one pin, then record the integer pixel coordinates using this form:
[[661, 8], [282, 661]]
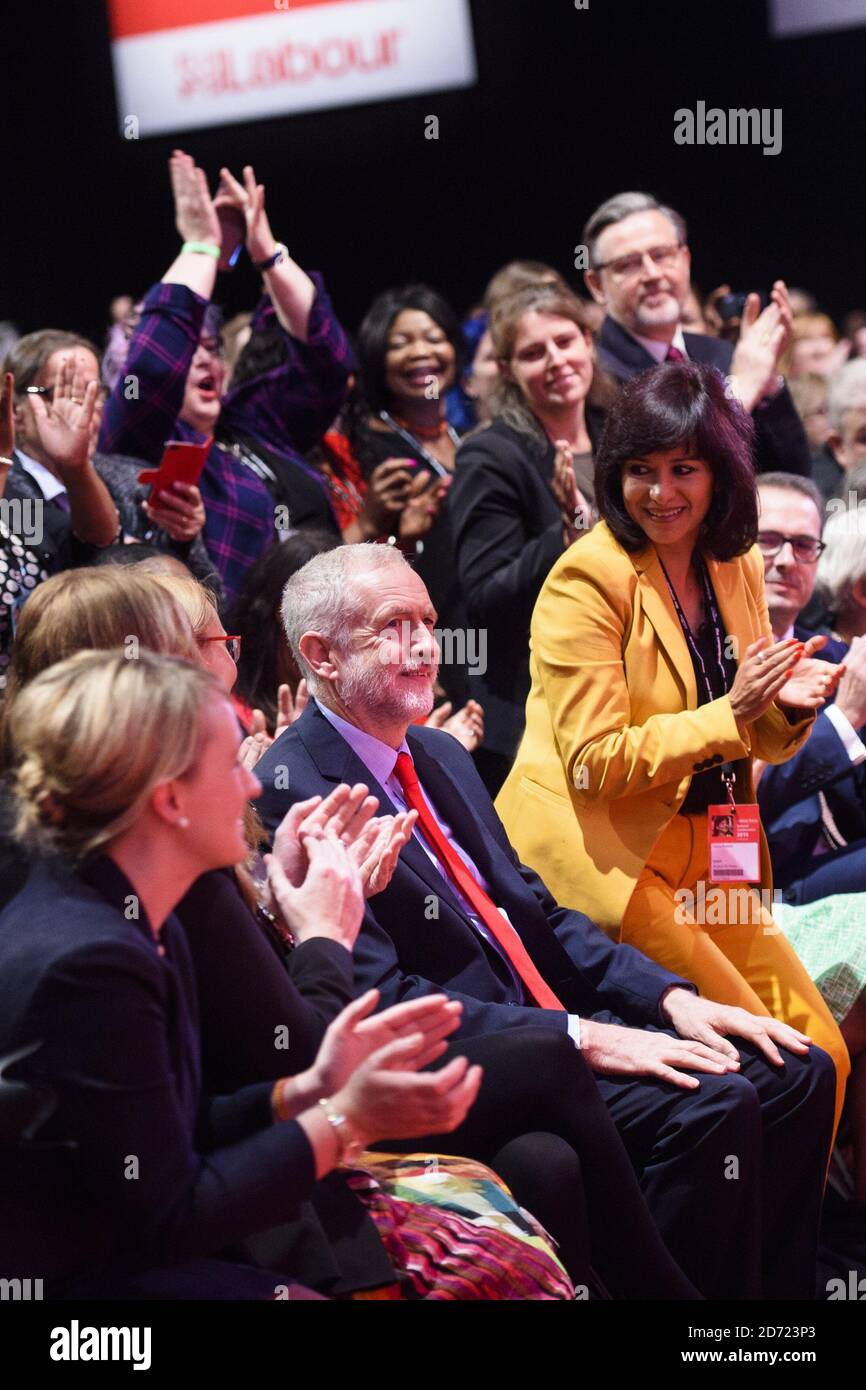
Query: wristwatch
[[281, 254], [348, 1143]]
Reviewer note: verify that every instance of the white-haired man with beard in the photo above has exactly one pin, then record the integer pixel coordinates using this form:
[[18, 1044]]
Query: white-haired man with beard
[[462, 915]]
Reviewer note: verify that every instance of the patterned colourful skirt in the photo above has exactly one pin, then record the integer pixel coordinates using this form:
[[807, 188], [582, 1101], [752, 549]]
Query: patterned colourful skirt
[[453, 1230]]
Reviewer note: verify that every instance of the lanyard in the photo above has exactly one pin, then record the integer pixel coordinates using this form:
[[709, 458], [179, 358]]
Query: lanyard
[[414, 443], [727, 771]]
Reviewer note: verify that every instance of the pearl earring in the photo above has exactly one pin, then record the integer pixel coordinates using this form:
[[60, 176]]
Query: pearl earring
[[183, 822]]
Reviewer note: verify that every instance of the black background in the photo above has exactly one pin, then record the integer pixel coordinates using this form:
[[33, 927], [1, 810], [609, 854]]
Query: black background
[[570, 107]]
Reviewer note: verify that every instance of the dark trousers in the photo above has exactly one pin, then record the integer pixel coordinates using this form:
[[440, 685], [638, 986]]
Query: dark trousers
[[663, 1190], [734, 1172], [542, 1125], [842, 871]]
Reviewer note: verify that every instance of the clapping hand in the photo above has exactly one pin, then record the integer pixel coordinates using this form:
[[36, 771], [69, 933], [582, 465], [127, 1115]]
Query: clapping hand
[[329, 900], [764, 335], [344, 812], [576, 513], [811, 683], [194, 212], [377, 849], [467, 725], [358, 1032], [249, 199]]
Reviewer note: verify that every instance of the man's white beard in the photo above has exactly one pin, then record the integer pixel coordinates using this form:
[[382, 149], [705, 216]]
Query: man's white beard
[[364, 689]]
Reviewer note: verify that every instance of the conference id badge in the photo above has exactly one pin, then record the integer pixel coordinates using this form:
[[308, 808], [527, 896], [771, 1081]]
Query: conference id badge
[[734, 843]]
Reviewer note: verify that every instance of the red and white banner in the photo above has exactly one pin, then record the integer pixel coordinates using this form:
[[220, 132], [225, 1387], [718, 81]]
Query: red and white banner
[[789, 17], [185, 63]]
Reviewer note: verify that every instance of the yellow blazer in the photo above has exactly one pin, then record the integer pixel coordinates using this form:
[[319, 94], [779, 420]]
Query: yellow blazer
[[613, 727]]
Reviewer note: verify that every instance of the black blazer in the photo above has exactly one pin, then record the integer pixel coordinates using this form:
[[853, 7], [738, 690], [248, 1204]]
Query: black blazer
[[249, 985], [780, 440], [416, 937], [59, 548], [507, 534], [119, 1049]]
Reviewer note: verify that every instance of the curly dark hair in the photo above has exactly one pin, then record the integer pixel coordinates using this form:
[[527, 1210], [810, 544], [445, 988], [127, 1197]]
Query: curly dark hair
[[682, 403]]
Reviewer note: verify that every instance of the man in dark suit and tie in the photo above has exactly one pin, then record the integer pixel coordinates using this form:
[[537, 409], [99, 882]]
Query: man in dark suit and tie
[[814, 806], [639, 271], [462, 914]]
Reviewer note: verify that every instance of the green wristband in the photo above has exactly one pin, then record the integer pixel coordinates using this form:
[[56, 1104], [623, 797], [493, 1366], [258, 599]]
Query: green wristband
[[204, 248]]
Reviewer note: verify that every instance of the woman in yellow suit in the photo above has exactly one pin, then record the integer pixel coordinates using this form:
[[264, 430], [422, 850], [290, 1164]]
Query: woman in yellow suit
[[655, 679]]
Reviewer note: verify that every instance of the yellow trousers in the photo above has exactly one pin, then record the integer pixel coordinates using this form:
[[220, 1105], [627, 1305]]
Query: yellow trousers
[[723, 938]]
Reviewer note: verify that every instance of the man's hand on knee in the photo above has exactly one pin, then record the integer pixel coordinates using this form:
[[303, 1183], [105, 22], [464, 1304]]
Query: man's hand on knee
[[612, 1050], [707, 1022]]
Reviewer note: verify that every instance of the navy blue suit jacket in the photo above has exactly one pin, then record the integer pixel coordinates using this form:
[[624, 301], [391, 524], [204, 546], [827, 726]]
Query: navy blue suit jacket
[[780, 440], [416, 937], [119, 1050], [788, 792]]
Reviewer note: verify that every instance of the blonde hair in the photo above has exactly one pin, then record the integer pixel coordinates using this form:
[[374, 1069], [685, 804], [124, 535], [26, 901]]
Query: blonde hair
[[93, 736], [97, 609], [197, 602]]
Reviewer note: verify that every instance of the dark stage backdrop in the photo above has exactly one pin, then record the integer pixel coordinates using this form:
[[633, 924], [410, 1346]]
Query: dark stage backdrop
[[570, 106]]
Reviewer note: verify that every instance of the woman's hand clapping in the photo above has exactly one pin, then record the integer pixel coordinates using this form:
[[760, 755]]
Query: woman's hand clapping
[[782, 671]]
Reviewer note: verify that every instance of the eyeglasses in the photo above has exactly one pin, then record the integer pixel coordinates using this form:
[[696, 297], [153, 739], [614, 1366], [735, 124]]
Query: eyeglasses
[[626, 267], [233, 644], [47, 393], [806, 548]]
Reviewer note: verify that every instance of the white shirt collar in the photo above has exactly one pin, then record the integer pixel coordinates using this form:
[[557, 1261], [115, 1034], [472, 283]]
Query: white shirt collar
[[658, 350], [49, 485]]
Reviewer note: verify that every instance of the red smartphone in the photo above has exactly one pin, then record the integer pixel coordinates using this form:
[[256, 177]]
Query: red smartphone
[[181, 463]]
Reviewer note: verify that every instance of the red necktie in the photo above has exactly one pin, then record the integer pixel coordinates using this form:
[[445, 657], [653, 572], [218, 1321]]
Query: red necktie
[[483, 906], [673, 354]]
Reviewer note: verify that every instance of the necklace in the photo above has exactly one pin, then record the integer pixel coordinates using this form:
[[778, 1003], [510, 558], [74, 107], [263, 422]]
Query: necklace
[[415, 443]]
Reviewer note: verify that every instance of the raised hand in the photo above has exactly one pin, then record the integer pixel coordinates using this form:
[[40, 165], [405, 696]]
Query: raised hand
[[65, 426], [194, 213], [290, 708], [763, 338], [249, 199]]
